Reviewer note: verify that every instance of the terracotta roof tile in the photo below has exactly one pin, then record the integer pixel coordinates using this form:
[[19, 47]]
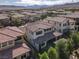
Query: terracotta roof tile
[[15, 51], [16, 29], [35, 26], [11, 32], [56, 19], [5, 38]]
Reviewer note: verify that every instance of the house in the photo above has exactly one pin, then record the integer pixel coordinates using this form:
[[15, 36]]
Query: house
[[31, 16], [61, 12], [61, 23], [73, 17], [40, 33], [10, 49], [13, 32]]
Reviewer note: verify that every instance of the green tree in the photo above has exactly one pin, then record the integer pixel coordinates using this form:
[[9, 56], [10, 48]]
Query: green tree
[[43, 16], [17, 22], [61, 47], [75, 38], [52, 53], [44, 56], [70, 46]]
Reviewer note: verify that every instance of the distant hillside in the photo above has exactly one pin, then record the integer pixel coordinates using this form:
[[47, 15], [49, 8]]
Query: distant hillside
[[69, 5], [11, 7]]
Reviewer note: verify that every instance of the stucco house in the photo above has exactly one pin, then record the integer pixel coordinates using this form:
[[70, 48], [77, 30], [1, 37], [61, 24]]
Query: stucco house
[[73, 17], [40, 32], [9, 48], [61, 23]]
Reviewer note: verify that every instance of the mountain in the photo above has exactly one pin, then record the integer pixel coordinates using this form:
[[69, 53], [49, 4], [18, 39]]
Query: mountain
[[37, 6], [12, 7], [68, 5]]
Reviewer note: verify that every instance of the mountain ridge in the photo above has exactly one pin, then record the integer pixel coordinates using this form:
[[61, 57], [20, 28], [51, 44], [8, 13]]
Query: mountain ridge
[[67, 5]]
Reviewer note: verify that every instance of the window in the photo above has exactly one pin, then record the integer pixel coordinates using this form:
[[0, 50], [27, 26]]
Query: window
[[59, 30], [64, 24], [4, 44], [72, 23], [39, 32], [42, 44], [60, 24], [65, 30], [47, 29], [18, 38], [10, 42], [32, 33]]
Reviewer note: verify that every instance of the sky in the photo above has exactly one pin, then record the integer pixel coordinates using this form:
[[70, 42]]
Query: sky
[[35, 2]]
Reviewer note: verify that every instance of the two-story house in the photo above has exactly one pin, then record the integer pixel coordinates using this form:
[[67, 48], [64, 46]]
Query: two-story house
[[61, 23], [73, 19], [10, 49], [39, 33]]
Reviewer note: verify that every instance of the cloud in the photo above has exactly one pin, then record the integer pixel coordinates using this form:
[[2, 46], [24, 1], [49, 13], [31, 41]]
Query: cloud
[[35, 2], [43, 2]]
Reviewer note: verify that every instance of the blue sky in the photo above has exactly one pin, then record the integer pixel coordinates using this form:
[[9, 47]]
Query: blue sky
[[35, 2]]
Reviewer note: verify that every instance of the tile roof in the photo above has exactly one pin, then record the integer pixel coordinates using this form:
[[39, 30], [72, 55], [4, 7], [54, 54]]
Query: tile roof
[[5, 38], [35, 26], [11, 31], [15, 51], [71, 20], [29, 13], [15, 29], [56, 19], [72, 15]]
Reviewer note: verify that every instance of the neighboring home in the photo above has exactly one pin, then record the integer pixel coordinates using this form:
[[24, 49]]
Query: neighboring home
[[61, 24], [40, 33], [60, 12], [13, 32], [31, 16], [10, 49], [29, 13], [42, 12], [73, 17]]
